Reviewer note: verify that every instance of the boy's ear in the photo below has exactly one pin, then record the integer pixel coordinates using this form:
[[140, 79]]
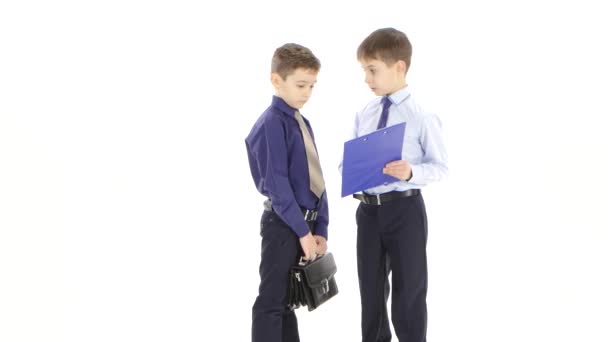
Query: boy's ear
[[401, 66], [276, 79]]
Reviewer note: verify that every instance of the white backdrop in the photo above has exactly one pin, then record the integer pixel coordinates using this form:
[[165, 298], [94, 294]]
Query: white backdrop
[[127, 210]]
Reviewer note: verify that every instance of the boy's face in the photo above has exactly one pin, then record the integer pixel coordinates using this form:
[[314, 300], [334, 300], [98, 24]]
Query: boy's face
[[383, 79], [296, 88]]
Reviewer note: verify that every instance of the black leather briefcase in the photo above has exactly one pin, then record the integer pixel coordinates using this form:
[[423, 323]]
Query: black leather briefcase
[[312, 283]]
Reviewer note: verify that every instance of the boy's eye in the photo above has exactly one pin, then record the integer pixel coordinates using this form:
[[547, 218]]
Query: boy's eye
[[300, 86]]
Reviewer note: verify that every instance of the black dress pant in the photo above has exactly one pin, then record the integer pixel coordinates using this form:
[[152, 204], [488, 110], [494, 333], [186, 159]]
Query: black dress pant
[[391, 238], [273, 321]]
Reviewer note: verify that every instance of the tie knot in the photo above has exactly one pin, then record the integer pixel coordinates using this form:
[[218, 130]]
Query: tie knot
[[386, 102]]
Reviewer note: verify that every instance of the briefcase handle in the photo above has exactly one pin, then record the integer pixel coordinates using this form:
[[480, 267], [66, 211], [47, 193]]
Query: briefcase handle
[[303, 262]]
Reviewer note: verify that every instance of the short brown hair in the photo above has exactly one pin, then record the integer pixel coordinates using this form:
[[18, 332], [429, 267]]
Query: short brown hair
[[291, 56], [388, 45]]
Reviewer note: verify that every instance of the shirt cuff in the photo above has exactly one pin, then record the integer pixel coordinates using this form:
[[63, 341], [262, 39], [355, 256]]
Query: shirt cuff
[[321, 230], [417, 175], [301, 230]]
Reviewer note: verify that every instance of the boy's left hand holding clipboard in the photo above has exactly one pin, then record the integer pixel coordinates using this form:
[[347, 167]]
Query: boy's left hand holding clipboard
[[400, 169]]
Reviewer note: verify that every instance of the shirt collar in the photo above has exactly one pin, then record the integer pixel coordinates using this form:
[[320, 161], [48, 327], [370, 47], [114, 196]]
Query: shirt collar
[[281, 105], [400, 95]]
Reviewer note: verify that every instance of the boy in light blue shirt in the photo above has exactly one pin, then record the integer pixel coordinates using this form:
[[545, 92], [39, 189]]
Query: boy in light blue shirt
[[391, 218]]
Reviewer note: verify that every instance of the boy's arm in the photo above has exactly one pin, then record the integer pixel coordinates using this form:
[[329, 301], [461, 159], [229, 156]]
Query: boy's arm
[[322, 217], [434, 165], [273, 160], [321, 225]]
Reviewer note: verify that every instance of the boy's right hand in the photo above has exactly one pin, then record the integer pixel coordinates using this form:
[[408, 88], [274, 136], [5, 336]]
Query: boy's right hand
[[309, 246]]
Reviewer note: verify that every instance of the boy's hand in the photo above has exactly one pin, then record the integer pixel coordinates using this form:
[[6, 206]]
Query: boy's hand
[[309, 246], [400, 169], [321, 244]]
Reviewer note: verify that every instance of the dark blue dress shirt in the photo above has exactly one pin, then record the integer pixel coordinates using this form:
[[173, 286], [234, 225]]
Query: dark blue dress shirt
[[278, 164]]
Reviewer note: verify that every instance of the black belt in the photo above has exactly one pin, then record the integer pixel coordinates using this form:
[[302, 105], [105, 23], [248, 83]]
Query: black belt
[[309, 215], [386, 197]]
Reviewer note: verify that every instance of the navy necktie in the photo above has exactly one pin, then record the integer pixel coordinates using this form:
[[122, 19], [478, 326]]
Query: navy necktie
[[386, 103]]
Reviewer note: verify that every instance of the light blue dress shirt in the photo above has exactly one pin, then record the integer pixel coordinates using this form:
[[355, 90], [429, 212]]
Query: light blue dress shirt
[[423, 145]]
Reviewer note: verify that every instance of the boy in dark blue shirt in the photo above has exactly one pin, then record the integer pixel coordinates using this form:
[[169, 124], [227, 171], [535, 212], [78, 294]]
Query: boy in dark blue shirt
[[285, 168]]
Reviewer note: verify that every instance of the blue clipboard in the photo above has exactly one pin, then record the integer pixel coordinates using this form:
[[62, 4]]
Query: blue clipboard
[[365, 157]]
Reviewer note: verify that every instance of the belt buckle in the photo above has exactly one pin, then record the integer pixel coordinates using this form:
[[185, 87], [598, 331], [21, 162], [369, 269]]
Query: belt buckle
[[310, 215]]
